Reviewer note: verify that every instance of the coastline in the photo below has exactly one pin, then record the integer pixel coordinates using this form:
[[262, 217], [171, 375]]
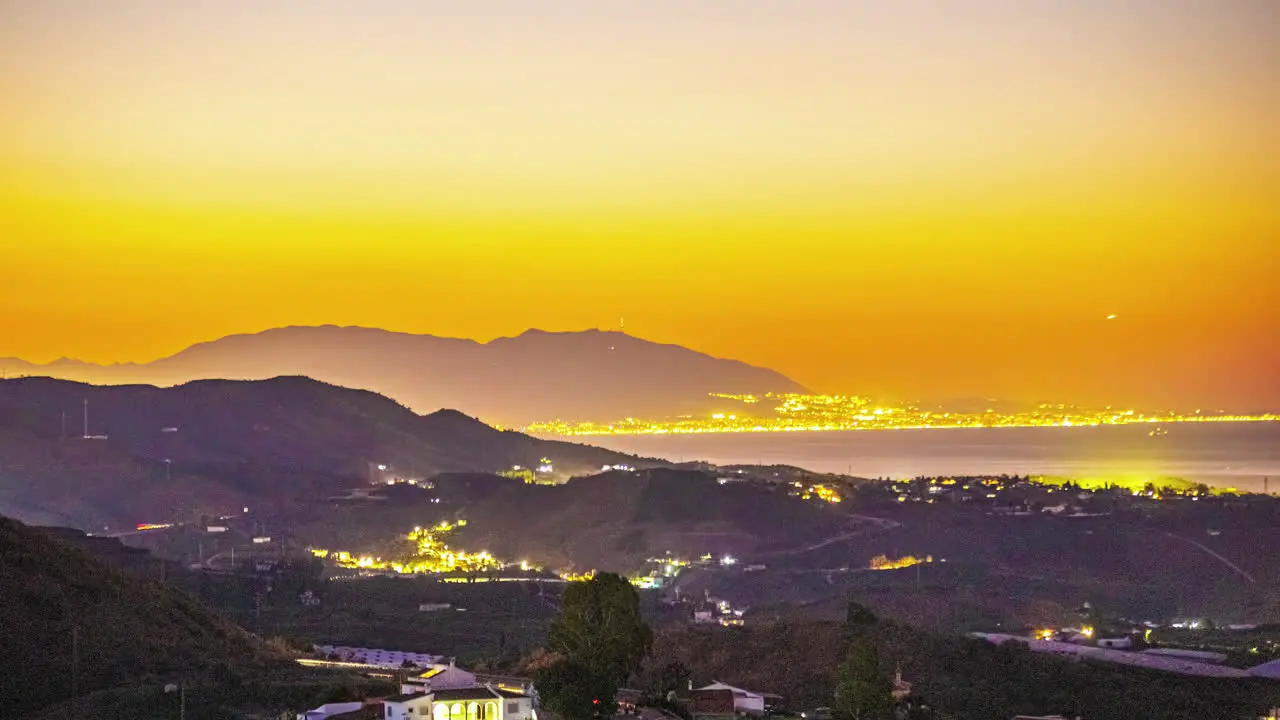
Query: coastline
[[1222, 455]]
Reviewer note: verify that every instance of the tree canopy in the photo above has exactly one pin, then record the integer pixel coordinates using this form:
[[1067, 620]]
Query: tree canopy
[[863, 689], [600, 626], [601, 639], [575, 690]]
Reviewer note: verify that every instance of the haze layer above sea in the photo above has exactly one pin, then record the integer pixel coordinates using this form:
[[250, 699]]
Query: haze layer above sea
[[1236, 455]]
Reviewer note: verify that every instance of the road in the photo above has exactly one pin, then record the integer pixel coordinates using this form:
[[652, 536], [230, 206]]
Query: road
[[1225, 561], [866, 525]]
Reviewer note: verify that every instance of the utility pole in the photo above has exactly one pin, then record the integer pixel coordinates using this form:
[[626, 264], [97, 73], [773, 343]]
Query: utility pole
[[86, 417], [75, 664]]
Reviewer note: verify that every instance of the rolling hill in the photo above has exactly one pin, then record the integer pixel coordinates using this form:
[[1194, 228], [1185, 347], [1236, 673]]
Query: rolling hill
[[124, 629], [608, 521], [211, 446], [537, 375]]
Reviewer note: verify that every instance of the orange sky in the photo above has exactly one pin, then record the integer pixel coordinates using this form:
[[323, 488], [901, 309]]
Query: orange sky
[[911, 198]]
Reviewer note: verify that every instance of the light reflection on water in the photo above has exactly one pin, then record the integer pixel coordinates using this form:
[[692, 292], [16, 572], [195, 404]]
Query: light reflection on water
[[1236, 455]]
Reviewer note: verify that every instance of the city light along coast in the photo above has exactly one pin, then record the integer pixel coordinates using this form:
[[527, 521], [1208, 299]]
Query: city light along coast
[[830, 413]]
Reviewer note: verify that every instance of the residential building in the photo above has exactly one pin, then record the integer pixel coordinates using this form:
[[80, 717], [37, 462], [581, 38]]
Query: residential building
[[901, 688], [512, 683], [475, 703], [712, 705], [744, 701], [439, 676]]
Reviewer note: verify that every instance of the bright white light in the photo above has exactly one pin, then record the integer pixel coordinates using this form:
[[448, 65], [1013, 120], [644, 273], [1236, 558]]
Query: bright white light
[[382, 467], [728, 560]]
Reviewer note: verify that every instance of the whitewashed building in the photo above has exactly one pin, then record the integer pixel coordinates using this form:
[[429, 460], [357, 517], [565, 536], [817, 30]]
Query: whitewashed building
[[476, 703]]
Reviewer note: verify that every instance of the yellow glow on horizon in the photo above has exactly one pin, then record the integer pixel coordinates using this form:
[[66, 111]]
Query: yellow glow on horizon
[[834, 191]]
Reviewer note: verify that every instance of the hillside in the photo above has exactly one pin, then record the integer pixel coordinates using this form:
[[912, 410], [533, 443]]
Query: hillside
[[615, 520], [228, 444], [588, 375], [608, 521], [124, 629], [960, 677]]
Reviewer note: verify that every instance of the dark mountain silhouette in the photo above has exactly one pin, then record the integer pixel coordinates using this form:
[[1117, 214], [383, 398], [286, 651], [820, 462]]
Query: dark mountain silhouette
[[126, 629], [230, 443], [588, 375]]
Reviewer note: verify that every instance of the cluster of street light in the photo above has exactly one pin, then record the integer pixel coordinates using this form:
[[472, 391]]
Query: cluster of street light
[[791, 412], [430, 555]]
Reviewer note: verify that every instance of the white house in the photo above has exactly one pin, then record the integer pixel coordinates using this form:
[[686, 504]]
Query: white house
[[743, 701], [475, 703], [439, 676]]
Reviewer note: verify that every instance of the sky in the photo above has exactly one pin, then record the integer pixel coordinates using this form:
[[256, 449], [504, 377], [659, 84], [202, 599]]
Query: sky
[[904, 198]]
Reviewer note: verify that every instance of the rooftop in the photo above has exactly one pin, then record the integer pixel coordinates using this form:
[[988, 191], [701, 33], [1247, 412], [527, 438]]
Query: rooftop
[[475, 693], [1182, 666]]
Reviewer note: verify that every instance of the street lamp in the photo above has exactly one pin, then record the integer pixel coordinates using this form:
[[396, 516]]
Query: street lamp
[[182, 698]]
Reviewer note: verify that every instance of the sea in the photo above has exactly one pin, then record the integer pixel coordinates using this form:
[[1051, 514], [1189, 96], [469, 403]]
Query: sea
[[1245, 456]]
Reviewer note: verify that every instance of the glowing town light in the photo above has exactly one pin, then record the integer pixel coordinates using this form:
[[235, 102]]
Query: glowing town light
[[728, 560]]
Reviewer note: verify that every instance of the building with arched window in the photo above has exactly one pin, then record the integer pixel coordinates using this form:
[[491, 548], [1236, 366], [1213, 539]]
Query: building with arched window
[[474, 703]]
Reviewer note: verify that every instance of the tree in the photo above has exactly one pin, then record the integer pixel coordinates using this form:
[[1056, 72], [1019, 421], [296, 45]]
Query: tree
[[863, 690], [673, 676], [600, 627], [576, 691], [858, 621]]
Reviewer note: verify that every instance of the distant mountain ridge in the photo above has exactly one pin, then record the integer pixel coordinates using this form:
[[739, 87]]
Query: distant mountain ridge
[[537, 375], [212, 446]]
